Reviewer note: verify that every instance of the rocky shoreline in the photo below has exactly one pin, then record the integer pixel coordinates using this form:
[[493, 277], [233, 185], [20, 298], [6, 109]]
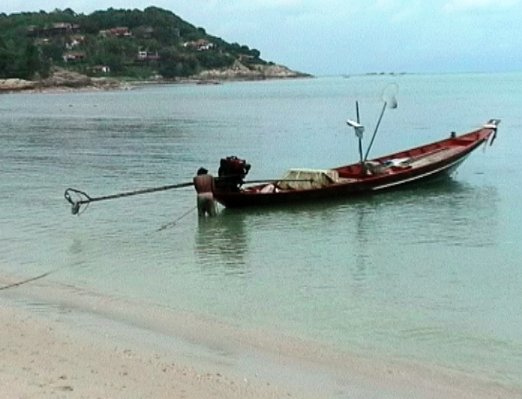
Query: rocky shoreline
[[238, 71], [61, 80], [64, 80]]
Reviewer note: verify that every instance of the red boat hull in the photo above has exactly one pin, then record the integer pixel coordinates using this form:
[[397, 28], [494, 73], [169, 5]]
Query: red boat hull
[[418, 164]]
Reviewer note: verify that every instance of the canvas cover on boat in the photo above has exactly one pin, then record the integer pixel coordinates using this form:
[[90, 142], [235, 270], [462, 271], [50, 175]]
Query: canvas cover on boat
[[305, 179]]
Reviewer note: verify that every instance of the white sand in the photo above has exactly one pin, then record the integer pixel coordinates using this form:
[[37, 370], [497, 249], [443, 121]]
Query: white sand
[[43, 360], [60, 342]]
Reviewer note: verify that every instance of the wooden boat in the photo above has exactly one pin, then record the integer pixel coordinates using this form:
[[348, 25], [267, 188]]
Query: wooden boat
[[418, 164]]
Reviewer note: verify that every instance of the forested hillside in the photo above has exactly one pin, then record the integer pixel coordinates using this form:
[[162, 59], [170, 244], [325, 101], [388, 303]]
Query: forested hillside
[[118, 43]]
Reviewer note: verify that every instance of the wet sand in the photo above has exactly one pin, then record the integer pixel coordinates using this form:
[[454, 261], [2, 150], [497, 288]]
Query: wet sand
[[59, 341]]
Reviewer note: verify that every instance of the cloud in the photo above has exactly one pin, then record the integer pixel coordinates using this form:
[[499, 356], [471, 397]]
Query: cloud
[[469, 5], [273, 3], [385, 5]]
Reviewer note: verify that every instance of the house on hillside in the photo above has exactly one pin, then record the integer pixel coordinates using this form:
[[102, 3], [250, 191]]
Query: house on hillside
[[199, 45], [71, 57], [120, 31], [147, 56], [64, 28], [56, 29], [74, 41], [100, 69]]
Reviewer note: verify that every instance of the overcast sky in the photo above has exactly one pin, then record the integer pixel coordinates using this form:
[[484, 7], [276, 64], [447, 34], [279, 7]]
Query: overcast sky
[[326, 37]]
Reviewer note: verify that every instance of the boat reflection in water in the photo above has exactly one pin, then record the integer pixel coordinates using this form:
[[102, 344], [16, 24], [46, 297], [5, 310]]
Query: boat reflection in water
[[438, 213]]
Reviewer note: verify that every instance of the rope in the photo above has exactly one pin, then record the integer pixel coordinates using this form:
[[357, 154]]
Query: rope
[[170, 224], [31, 279], [19, 283]]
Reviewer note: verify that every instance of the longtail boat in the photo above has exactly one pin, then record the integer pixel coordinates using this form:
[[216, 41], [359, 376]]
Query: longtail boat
[[429, 161], [415, 165]]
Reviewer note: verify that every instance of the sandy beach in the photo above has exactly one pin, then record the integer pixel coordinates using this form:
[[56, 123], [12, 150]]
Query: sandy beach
[[44, 360], [61, 342]]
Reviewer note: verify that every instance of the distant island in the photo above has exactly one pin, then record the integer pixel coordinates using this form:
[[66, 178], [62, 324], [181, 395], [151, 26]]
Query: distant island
[[108, 48]]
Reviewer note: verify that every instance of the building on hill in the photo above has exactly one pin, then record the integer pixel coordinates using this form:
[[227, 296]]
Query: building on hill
[[74, 41], [147, 56], [120, 31], [199, 45], [74, 57], [56, 29], [100, 69]]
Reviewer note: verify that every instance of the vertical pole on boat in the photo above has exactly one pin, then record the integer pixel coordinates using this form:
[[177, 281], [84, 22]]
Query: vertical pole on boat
[[360, 137], [359, 131], [388, 96], [375, 131]]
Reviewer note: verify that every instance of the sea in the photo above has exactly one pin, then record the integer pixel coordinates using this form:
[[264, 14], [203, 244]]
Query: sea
[[429, 274]]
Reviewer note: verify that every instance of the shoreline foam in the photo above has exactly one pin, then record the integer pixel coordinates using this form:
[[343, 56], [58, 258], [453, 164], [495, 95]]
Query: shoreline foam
[[63, 339]]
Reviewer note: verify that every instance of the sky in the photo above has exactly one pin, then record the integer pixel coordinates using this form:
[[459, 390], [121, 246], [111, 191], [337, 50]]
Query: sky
[[332, 37]]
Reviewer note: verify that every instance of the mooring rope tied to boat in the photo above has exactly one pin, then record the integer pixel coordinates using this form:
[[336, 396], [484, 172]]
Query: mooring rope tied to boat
[[19, 283], [175, 221]]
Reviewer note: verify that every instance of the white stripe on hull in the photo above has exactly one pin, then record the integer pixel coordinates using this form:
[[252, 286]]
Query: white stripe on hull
[[448, 168]]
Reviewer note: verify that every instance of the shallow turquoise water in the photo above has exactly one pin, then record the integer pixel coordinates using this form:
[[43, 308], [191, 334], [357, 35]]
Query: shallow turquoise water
[[429, 274]]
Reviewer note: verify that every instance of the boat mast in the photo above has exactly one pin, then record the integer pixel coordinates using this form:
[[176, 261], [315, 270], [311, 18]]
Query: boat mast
[[375, 132], [359, 136], [359, 130], [389, 102]]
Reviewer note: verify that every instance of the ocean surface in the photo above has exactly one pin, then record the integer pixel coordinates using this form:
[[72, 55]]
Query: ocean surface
[[429, 275]]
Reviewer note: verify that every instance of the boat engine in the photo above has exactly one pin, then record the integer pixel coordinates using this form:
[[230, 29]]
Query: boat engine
[[232, 171]]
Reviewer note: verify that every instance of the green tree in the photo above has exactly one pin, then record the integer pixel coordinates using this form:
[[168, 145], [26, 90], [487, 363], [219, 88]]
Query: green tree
[[29, 45], [30, 62], [213, 59], [176, 64], [52, 51]]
